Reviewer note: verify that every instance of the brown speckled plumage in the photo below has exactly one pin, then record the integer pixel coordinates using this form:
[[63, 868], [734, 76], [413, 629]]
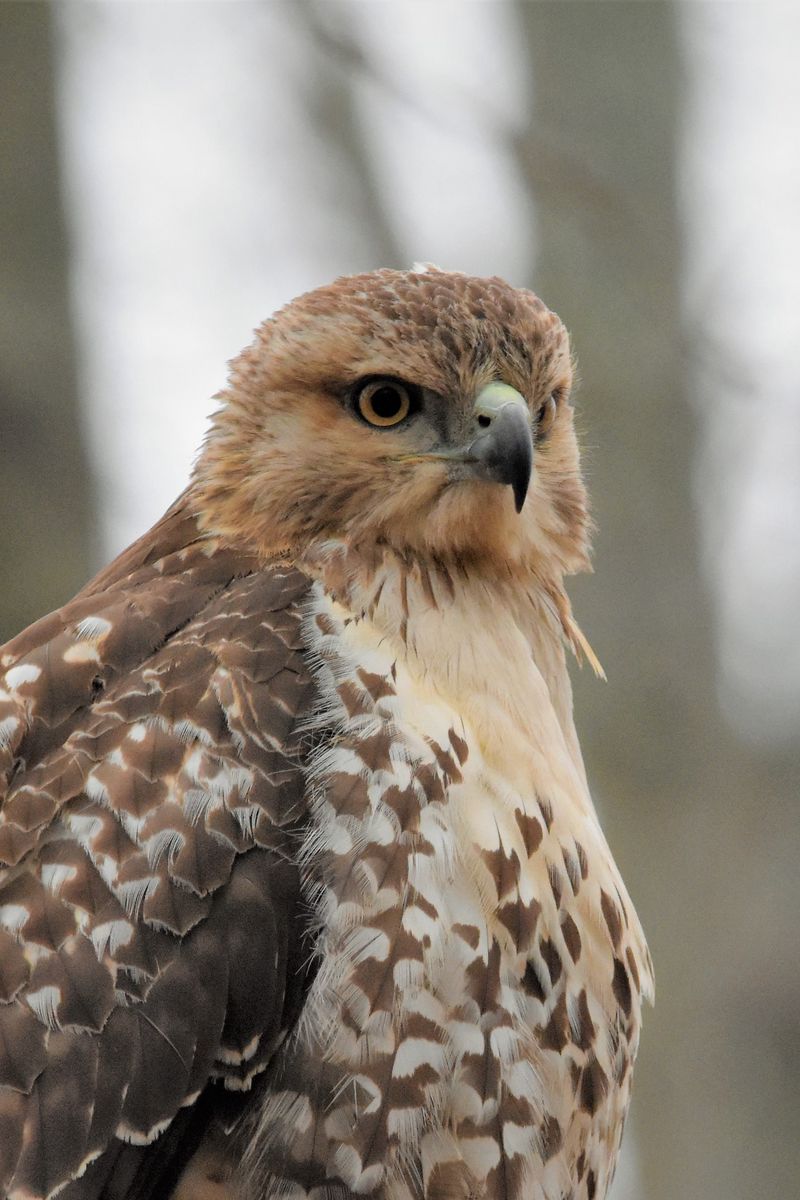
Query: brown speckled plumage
[[304, 895]]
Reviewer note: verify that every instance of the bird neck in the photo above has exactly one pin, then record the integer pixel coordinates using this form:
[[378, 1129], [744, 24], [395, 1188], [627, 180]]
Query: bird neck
[[497, 639]]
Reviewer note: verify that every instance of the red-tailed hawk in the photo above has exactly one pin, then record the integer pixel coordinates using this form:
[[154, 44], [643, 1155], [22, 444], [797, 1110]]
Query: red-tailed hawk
[[304, 895]]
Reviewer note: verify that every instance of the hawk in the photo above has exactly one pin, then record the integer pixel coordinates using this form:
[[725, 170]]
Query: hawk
[[303, 893]]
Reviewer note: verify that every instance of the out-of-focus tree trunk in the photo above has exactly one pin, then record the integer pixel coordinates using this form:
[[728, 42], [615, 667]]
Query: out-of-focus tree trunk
[[44, 488], [330, 103], [713, 1100]]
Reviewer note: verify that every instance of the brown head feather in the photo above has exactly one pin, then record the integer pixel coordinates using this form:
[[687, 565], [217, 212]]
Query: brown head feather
[[287, 463]]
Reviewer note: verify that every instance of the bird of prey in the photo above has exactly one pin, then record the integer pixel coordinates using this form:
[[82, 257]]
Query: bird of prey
[[303, 894]]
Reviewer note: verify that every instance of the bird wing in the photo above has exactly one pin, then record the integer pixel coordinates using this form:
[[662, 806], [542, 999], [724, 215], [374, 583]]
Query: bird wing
[[151, 799]]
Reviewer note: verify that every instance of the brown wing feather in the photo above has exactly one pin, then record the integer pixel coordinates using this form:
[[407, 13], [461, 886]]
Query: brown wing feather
[[152, 794]]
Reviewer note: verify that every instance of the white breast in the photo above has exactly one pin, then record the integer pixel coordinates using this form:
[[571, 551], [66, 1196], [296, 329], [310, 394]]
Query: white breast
[[466, 1016]]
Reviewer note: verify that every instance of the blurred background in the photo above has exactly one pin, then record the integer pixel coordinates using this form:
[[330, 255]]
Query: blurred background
[[172, 171]]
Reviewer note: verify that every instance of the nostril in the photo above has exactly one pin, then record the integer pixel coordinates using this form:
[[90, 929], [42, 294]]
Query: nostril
[[484, 421]]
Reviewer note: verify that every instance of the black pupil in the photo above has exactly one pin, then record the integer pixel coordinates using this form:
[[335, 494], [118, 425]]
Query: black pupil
[[386, 402]]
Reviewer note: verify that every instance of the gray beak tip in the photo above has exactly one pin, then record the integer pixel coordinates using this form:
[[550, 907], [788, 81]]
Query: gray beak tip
[[520, 489]]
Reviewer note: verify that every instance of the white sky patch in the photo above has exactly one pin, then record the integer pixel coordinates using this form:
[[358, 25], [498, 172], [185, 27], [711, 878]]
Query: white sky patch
[[741, 199], [189, 211], [449, 87], [201, 198]]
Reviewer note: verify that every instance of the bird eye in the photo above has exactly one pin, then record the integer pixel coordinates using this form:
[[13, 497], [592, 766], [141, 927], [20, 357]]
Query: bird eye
[[546, 416], [383, 402]]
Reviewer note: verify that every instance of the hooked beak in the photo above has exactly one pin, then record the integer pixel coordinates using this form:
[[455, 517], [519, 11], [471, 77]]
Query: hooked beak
[[503, 450]]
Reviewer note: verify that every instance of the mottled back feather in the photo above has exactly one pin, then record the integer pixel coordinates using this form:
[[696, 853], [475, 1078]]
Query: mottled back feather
[[152, 803]]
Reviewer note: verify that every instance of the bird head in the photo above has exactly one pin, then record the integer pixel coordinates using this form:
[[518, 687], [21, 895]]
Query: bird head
[[424, 411]]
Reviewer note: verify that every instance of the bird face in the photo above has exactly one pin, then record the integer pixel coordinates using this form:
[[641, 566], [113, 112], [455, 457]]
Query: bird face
[[424, 411], [492, 441]]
